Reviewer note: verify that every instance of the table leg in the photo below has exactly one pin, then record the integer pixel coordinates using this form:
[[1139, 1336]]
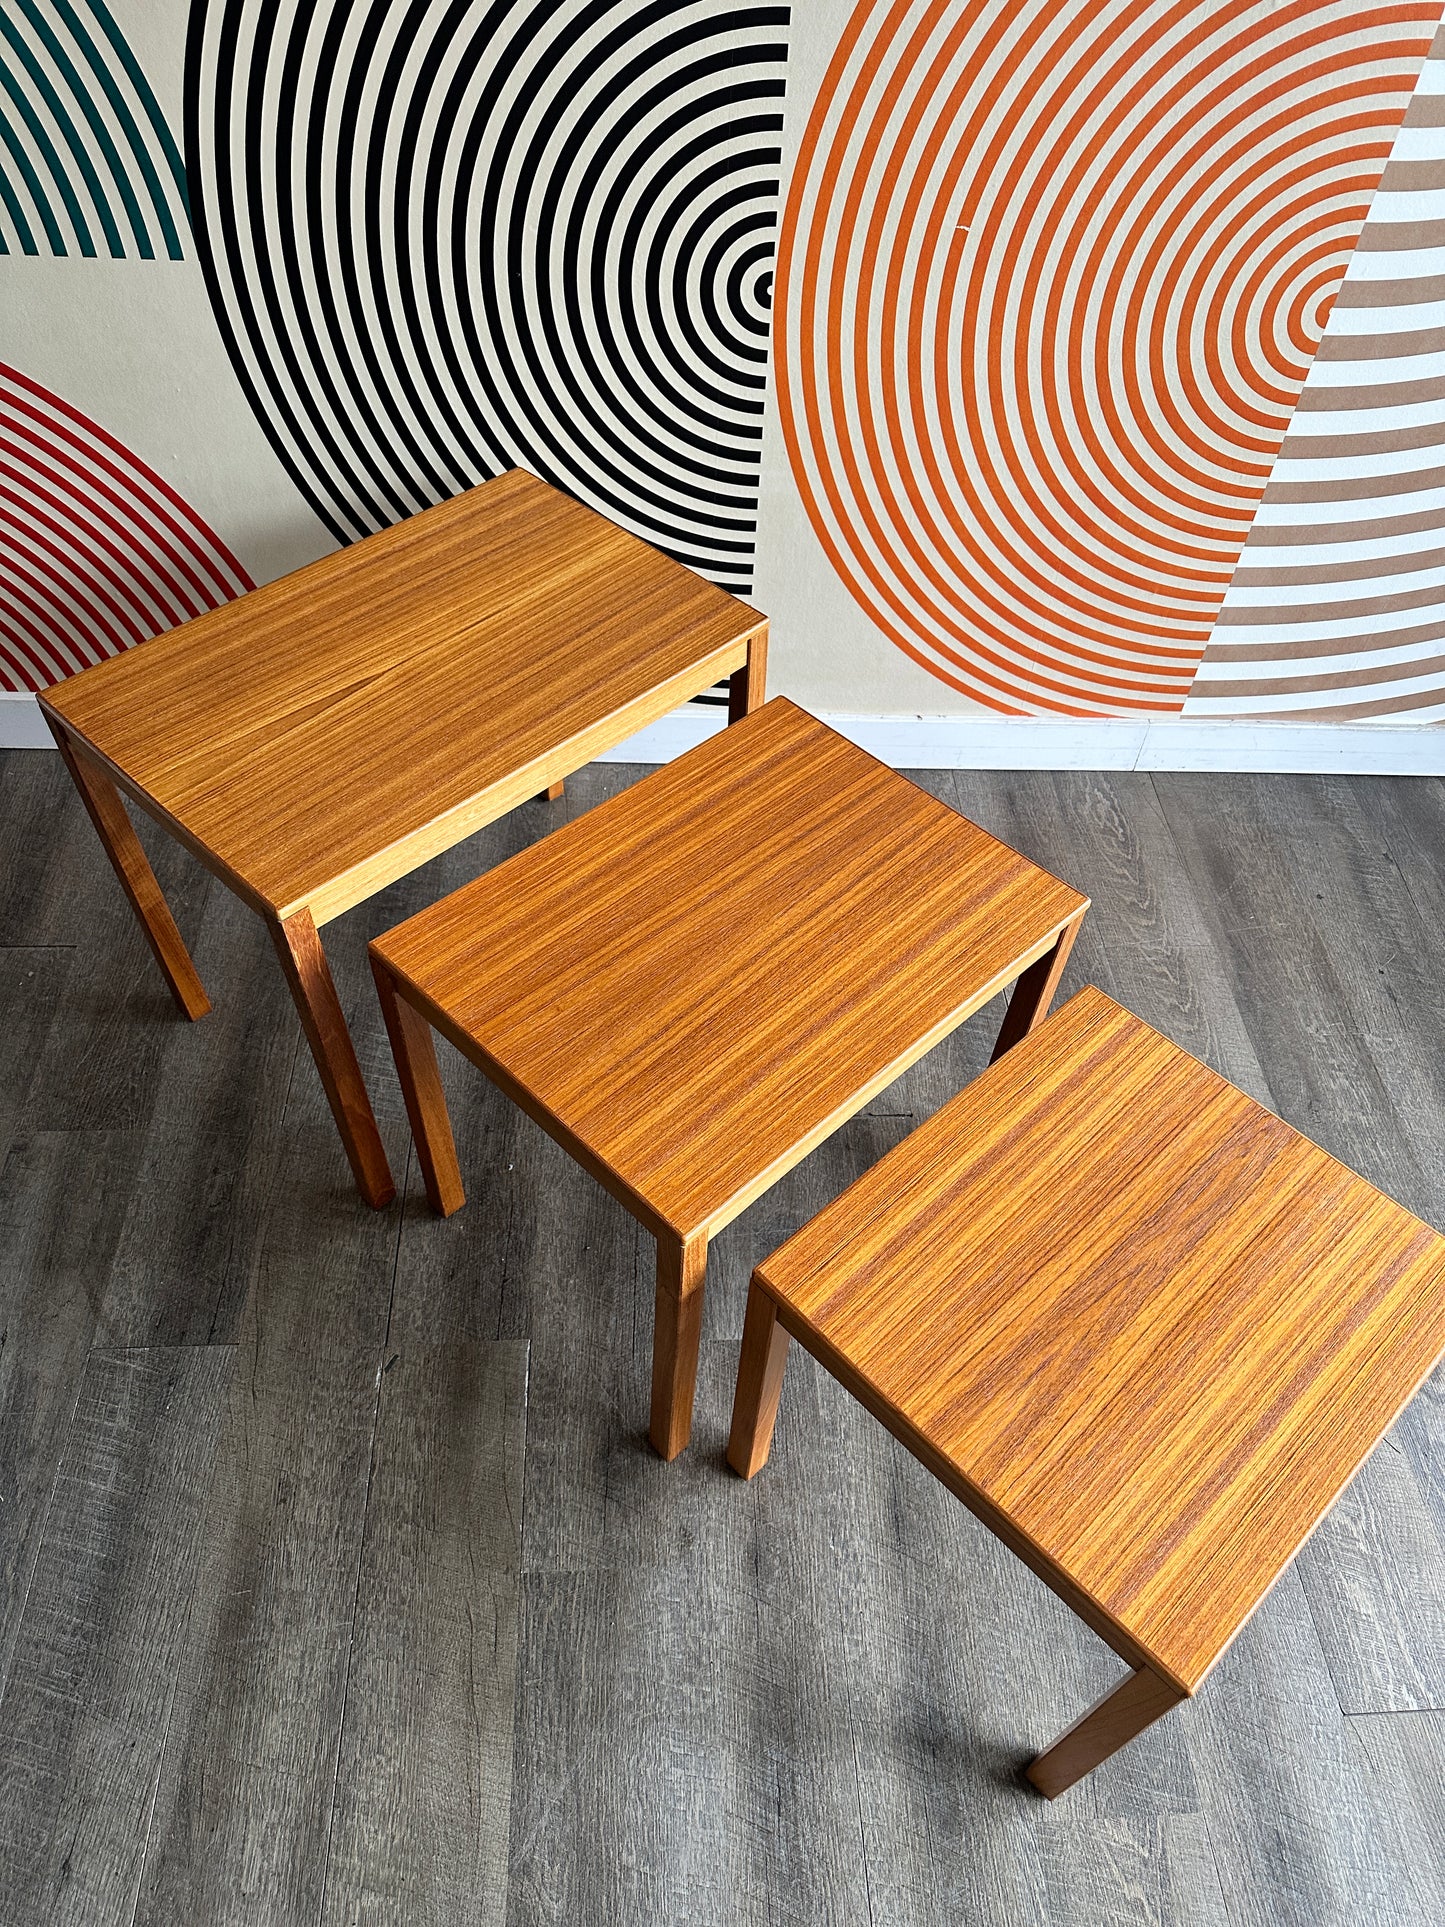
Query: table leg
[[1034, 991], [1117, 1718], [554, 792], [121, 844], [309, 975], [748, 686], [760, 1384], [426, 1106], [681, 1266]]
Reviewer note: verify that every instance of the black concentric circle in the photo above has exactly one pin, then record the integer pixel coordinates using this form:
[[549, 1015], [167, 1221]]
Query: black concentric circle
[[444, 237]]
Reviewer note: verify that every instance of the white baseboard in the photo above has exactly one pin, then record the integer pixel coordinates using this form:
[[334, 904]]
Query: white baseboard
[[670, 735], [21, 725], [968, 742]]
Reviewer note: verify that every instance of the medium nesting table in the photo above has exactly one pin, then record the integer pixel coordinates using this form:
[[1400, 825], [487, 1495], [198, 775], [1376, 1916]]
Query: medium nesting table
[[1143, 1329], [322, 736], [697, 982]]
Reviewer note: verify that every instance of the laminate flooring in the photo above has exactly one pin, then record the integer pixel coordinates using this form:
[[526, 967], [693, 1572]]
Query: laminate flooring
[[338, 1585]]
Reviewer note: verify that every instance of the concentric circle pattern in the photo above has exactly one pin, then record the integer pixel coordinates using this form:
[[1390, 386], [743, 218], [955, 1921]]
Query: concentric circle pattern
[[97, 551], [1052, 279], [88, 165], [1336, 611], [446, 238]]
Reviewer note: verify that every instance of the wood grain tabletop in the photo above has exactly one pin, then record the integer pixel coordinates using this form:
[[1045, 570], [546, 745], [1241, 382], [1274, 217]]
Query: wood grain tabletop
[[326, 733], [703, 977], [1143, 1327]]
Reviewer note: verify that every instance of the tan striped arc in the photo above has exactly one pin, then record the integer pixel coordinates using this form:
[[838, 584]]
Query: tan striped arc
[[1336, 611]]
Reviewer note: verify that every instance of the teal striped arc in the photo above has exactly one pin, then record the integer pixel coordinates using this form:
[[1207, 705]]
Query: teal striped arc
[[88, 165]]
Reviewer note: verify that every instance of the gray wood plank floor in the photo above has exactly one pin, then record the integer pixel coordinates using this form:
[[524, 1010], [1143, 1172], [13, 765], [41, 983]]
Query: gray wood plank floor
[[337, 1584]]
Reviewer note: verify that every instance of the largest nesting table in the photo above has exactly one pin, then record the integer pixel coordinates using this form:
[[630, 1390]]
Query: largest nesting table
[[324, 735]]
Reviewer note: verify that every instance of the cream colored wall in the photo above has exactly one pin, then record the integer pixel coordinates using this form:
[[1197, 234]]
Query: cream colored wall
[[89, 330]]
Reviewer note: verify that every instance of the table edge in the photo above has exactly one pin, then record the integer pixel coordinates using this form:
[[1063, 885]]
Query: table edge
[[336, 894], [591, 1159], [1077, 1598]]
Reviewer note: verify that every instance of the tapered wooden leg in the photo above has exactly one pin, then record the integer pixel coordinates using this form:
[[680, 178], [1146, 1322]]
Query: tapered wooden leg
[[137, 878], [760, 1384], [681, 1265], [1140, 1700], [748, 686], [421, 1085], [1034, 991], [554, 792], [309, 975]]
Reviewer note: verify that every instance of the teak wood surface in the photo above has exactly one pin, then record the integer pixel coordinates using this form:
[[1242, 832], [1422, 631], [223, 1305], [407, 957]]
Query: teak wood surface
[[696, 983], [323, 735], [1142, 1327]]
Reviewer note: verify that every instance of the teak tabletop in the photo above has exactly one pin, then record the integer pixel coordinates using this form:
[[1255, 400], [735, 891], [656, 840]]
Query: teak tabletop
[[700, 980], [1140, 1326], [320, 737]]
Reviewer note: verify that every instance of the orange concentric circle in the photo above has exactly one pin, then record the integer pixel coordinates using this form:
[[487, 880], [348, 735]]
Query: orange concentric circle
[[1050, 281]]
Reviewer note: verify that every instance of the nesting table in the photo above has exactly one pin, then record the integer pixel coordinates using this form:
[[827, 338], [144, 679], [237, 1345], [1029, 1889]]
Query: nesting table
[[1140, 1326], [697, 982], [323, 735]]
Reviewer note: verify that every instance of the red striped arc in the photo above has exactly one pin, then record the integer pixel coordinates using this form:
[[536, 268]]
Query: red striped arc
[[97, 551]]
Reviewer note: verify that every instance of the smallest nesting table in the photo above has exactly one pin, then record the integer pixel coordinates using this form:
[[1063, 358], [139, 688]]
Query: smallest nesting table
[[1140, 1326], [697, 982]]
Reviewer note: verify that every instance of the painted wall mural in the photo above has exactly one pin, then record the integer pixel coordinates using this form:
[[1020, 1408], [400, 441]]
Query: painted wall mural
[[97, 551], [1052, 280], [1104, 374], [501, 234], [87, 162], [1337, 610]]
